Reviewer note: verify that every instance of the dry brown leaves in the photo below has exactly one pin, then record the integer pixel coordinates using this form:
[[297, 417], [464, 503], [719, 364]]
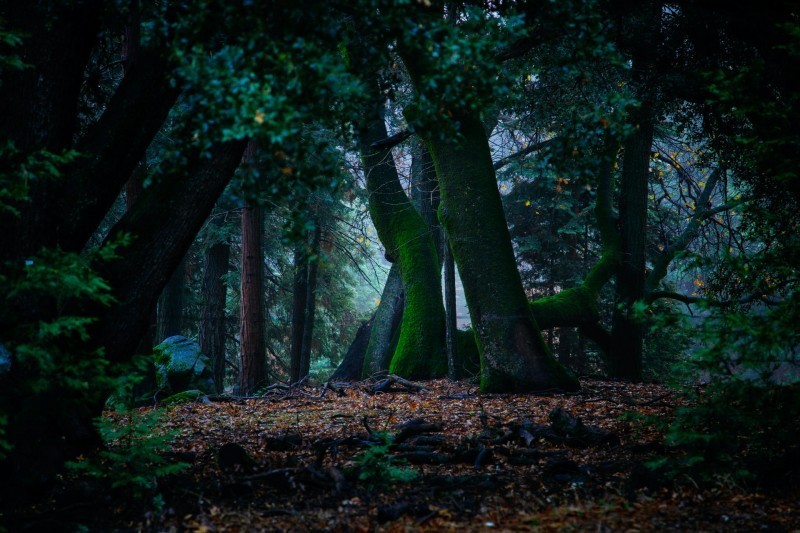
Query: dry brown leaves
[[298, 440]]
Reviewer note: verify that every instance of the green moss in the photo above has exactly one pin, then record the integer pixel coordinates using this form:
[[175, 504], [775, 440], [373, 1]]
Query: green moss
[[405, 235], [184, 397], [514, 357], [568, 308]]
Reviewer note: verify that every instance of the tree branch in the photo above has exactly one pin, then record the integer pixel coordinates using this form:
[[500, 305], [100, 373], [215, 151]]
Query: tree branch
[[500, 163], [657, 295], [391, 141]]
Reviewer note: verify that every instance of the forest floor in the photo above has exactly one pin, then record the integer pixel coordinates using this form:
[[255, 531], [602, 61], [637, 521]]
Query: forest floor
[[310, 459]]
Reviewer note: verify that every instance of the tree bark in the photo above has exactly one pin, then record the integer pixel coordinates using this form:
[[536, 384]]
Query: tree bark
[[253, 369], [514, 356], [451, 323], [352, 363], [642, 31], [211, 335], [625, 359], [420, 348], [109, 152], [311, 302], [299, 299], [170, 305], [384, 324]]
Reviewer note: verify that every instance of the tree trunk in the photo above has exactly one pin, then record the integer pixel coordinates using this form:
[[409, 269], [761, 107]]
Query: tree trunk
[[420, 348], [642, 31], [170, 305], [350, 367], [384, 324], [311, 302], [110, 150], [253, 369], [514, 356], [211, 335], [451, 322], [164, 224], [625, 359], [425, 193], [148, 384], [299, 298]]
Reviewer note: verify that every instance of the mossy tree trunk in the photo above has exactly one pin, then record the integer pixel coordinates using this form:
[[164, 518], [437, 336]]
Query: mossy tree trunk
[[514, 356], [420, 347]]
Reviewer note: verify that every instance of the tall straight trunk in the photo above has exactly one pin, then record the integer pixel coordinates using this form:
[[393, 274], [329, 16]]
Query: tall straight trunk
[[253, 368], [514, 356], [642, 28], [627, 332], [211, 335], [450, 310], [170, 305], [311, 302], [299, 298], [384, 325]]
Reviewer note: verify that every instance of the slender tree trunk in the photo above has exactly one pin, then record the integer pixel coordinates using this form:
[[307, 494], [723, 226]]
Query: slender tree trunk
[[299, 298], [253, 368], [625, 359], [311, 302], [641, 38], [212, 321], [451, 321]]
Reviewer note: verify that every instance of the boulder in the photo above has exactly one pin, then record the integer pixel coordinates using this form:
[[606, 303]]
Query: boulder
[[181, 366]]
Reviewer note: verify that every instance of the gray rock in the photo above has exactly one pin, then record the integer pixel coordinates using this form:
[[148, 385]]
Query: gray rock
[[181, 366]]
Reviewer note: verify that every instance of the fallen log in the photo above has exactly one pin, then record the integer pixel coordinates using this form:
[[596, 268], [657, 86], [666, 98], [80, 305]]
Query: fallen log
[[391, 383]]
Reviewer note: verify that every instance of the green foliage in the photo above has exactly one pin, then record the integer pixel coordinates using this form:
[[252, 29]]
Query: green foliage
[[49, 356], [456, 62], [746, 421], [18, 170], [668, 341], [9, 40], [133, 458], [378, 468]]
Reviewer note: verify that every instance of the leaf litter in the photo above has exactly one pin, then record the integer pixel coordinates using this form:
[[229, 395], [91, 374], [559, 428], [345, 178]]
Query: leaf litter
[[294, 460]]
